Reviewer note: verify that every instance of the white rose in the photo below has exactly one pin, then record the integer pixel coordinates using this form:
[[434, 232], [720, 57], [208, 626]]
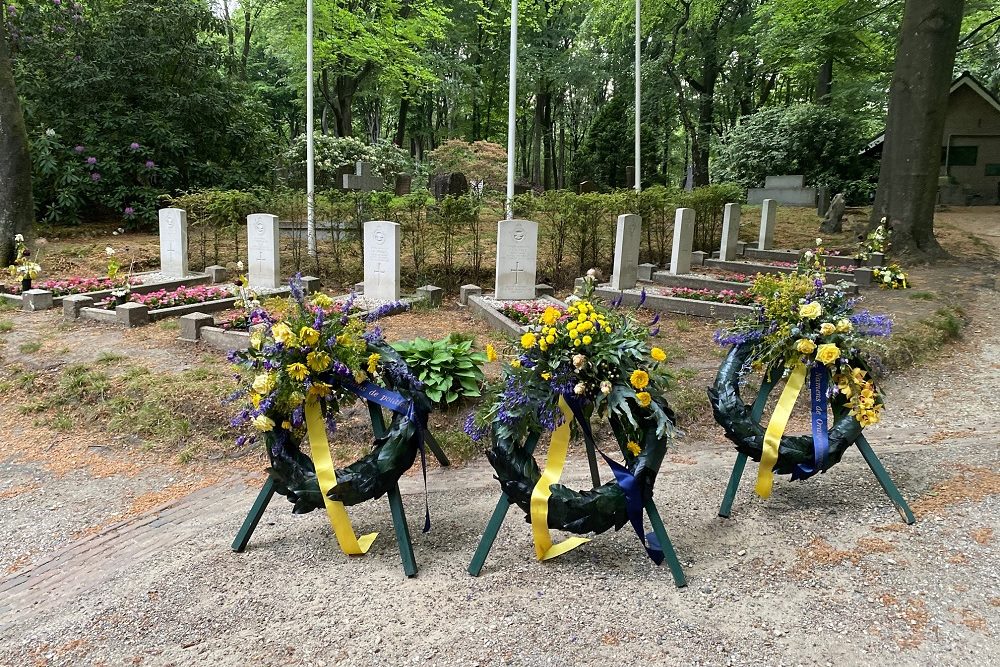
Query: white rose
[[239, 265], [808, 254], [579, 360], [580, 389], [819, 241], [19, 238], [605, 387]]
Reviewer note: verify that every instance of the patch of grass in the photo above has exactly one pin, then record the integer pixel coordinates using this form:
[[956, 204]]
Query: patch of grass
[[35, 406], [6, 326], [8, 305], [31, 347], [61, 422], [921, 340], [106, 358], [64, 327], [26, 381], [459, 447], [170, 325], [682, 326], [923, 296], [84, 385]]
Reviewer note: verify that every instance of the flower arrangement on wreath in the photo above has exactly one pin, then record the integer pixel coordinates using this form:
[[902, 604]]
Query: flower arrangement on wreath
[[316, 356], [596, 360], [802, 325], [24, 268]]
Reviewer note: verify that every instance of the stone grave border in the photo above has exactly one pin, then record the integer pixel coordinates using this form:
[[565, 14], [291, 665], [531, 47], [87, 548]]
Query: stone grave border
[[674, 304], [211, 276], [472, 296], [860, 277]]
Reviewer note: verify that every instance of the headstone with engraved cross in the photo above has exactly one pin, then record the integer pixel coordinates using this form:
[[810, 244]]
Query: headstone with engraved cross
[[362, 180], [173, 242], [382, 260], [262, 251], [517, 257]]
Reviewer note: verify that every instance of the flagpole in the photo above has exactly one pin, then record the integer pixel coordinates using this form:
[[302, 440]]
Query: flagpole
[[310, 153], [512, 110], [638, 101]]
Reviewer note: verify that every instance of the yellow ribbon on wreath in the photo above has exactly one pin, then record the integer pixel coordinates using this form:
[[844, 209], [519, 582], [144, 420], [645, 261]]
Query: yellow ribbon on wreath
[[558, 447], [776, 428], [349, 542]]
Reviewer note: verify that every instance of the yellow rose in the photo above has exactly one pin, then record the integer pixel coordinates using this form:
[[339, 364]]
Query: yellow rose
[[811, 310], [263, 423], [633, 447], [827, 353], [844, 326], [309, 335], [263, 383], [827, 328], [644, 398], [528, 340], [491, 353], [318, 360], [657, 354], [550, 316], [805, 346], [282, 333], [639, 379], [297, 371]]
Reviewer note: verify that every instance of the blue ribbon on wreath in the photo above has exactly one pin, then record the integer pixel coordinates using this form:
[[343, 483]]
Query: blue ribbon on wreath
[[818, 382], [629, 486], [393, 401]]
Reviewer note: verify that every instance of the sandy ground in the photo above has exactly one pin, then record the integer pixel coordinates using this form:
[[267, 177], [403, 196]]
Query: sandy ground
[[822, 573]]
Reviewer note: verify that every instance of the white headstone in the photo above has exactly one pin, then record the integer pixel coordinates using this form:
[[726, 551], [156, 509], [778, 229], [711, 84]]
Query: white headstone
[[767, 212], [173, 242], [730, 232], [262, 251], [382, 260], [680, 251], [517, 257], [628, 235]]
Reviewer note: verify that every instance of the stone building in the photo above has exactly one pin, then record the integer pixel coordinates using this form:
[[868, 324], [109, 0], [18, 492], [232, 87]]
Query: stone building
[[970, 146]]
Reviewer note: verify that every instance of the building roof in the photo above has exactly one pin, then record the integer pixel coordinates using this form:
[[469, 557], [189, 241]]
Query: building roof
[[966, 79]]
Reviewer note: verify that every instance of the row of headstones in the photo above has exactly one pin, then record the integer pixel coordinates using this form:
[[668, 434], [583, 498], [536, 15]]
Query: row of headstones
[[517, 248], [381, 252]]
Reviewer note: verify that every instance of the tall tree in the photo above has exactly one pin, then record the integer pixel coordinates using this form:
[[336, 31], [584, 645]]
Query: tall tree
[[16, 209], [918, 104]]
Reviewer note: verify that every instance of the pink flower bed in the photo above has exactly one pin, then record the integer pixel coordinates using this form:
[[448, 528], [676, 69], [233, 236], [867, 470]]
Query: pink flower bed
[[720, 296], [77, 285], [731, 276], [181, 296], [525, 312]]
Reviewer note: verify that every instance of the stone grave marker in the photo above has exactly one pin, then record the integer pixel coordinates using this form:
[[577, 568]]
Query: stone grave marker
[[586, 187], [730, 232], [262, 251], [630, 177], [404, 182], [628, 235], [680, 252], [362, 180], [767, 212], [517, 257], [173, 242], [453, 184], [382, 240]]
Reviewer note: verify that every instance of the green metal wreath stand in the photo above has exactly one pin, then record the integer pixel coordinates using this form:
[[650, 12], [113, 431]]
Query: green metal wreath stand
[[757, 411], [395, 500], [500, 513]]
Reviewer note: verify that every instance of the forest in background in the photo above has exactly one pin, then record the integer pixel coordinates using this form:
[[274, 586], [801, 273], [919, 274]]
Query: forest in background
[[127, 101]]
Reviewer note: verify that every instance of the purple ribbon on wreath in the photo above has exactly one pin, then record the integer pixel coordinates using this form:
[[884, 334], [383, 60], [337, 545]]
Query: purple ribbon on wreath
[[818, 382]]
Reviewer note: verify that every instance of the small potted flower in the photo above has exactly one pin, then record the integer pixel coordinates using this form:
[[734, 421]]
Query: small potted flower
[[23, 266]]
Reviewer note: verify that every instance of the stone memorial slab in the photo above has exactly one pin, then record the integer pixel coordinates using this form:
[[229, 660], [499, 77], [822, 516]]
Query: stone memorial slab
[[173, 242], [767, 212], [362, 180], [628, 236], [730, 232], [680, 251], [793, 181], [382, 239], [403, 184], [262, 251], [517, 257]]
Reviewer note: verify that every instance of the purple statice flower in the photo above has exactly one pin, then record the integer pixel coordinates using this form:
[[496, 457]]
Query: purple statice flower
[[474, 431], [340, 368], [95, 177], [129, 212], [57, 2], [244, 440], [656, 318], [726, 337], [79, 149], [241, 417], [298, 416], [642, 296], [150, 164], [347, 305], [618, 301], [550, 417], [387, 309], [295, 284], [654, 332], [872, 325], [563, 384], [331, 423], [235, 395], [319, 319], [344, 319], [400, 374], [91, 160], [374, 336], [134, 146], [233, 356]]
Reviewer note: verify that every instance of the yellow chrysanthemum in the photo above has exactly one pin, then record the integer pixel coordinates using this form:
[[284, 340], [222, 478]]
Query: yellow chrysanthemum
[[296, 398], [657, 354], [550, 339], [257, 339], [287, 425], [297, 371], [308, 336], [546, 376], [373, 362], [639, 379], [528, 340], [491, 353], [550, 316], [321, 300], [633, 448], [318, 360], [320, 390], [255, 399], [644, 398], [587, 340], [516, 363]]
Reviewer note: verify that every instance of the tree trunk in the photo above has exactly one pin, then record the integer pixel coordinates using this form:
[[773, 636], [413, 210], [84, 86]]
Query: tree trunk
[[824, 83], [16, 208], [918, 104], [404, 107], [541, 100]]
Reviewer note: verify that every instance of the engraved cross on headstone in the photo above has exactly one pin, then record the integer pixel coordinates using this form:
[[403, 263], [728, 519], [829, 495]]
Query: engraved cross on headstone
[[516, 270], [362, 179]]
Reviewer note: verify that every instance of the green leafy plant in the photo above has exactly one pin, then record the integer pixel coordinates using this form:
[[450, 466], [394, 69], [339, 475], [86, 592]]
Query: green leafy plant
[[449, 368]]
